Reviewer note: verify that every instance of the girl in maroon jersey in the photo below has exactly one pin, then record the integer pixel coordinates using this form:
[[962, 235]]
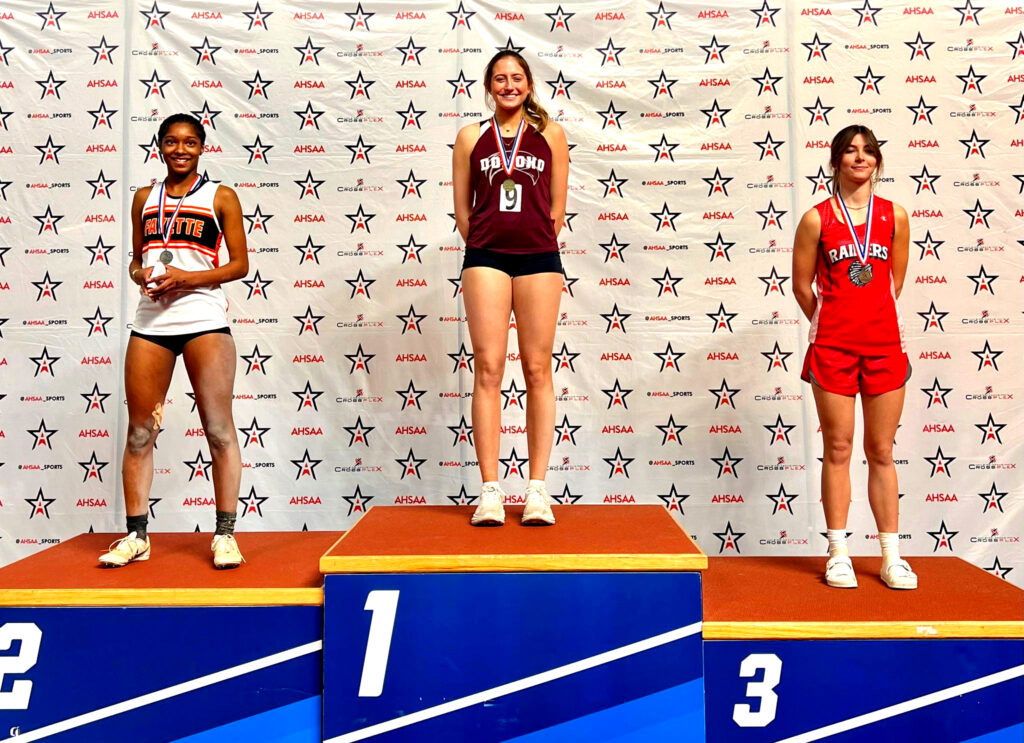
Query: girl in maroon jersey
[[177, 230], [853, 248], [510, 176]]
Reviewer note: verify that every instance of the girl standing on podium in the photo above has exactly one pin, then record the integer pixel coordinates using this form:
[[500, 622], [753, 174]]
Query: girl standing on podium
[[510, 176], [853, 248], [177, 230]]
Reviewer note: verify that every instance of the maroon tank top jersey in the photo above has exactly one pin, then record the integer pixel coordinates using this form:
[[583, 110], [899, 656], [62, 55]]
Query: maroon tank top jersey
[[852, 314], [504, 219]]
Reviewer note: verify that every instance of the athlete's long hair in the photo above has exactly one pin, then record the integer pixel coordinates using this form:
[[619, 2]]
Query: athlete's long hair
[[196, 124], [842, 140], [532, 110]]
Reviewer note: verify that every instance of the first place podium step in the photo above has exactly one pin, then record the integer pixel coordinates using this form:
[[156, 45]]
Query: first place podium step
[[588, 630]]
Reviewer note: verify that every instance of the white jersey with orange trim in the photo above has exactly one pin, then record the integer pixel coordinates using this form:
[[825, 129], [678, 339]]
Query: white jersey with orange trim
[[193, 245]]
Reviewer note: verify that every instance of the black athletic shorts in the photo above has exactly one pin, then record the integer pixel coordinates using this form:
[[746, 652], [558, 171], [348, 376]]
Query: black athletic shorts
[[176, 343], [514, 264]]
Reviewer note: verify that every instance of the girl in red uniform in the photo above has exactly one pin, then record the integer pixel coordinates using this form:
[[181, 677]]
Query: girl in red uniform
[[177, 230], [510, 177], [853, 248]]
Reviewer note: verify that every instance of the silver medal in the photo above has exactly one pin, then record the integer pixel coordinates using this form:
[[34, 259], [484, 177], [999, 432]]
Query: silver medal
[[166, 257]]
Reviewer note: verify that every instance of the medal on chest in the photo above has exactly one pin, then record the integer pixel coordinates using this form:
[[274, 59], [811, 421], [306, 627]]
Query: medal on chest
[[167, 226], [511, 192], [860, 271]]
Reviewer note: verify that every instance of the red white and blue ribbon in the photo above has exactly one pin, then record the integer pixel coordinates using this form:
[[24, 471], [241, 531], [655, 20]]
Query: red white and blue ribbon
[[167, 227], [862, 249], [508, 157]]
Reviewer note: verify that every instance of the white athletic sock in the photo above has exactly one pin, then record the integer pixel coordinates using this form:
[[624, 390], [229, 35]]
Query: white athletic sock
[[837, 542], [493, 483], [535, 484], [890, 548]]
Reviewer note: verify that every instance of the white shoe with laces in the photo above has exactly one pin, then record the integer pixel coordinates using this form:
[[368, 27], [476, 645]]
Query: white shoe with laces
[[537, 511], [839, 572], [898, 575], [128, 548], [490, 511], [225, 552]]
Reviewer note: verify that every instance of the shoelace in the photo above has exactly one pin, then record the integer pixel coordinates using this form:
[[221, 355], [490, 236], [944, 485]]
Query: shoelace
[[118, 543]]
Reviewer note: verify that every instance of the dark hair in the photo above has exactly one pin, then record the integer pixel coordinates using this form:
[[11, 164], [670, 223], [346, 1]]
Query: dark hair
[[532, 110], [173, 119], [842, 140]]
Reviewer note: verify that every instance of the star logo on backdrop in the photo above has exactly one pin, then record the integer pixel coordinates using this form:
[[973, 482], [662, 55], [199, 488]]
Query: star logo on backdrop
[[772, 217], [990, 430], [309, 321], [925, 181], [411, 185], [5, 50], [717, 183], [306, 466], [974, 145], [922, 111], [199, 467], [359, 86], [566, 431], [47, 287], [258, 151], [661, 17], [462, 431], [719, 248], [40, 505], [765, 14], [662, 85], [766, 83], [463, 498], [943, 537], [729, 539], [258, 86], [257, 220], [1017, 45], [360, 18], [940, 464], [155, 17], [257, 285], [715, 114], [987, 357], [360, 285], [933, 318], [98, 322], [978, 215], [559, 19], [411, 251], [564, 359], [257, 17], [309, 116], [310, 53], [937, 393], [769, 147], [411, 116], [410, 52], [410, 396], [253, 434], [358, 433], [566, 497], [411, 320], [152, 150], [510, 47], [713, 50], [460, 16], [612, 185], [727, 463], [49, 151], [560, 86], [782, 501], [866, 14], [460, 85], [669, 359], [45, 362], [617, 395], [615, 319], [463, 359], [101, 185], [205, 51], [665, 218], [724, 395], [513, 464], [820, 182], [612, 117], [3, 192], [721, 319], [993, 499], [983, 281], [94, 399], [970, 79], [667, 283], [307, 397], [357, 502], [671, 431], [4, 115], [103, 51], [360, 360], [869, 82], [673, 499], [568, 281], [610, 53], [155, 85], [663, 149], [360, 151], [818, 112], [816, 48], [47, 222], [256, 361], [929, 246], [207, 116], [919, 47], [41, 436], [998, 570], [779, 430], [50, 86], [309, 186], [93, 468], [51, 19], [252, 503], [968, 13], [619, 465], [614, 249], [360, 220], [513, 396]]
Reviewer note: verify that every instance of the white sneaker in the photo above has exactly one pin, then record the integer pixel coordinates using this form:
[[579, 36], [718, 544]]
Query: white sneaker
[[491, 509], [225, 552], [898, 575], [537, 511], [839, 572], [125, 550]]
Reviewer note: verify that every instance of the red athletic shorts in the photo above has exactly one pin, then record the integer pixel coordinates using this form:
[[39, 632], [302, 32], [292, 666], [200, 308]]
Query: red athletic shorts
[[847, 372]]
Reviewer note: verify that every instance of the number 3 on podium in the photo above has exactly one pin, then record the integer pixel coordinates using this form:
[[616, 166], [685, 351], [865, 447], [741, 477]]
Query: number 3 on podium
[[383, 605], [770, 663], [30, 637]]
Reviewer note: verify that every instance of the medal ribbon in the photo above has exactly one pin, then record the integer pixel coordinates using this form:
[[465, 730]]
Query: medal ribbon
[[167, 227], [508, 159], [862, 250]]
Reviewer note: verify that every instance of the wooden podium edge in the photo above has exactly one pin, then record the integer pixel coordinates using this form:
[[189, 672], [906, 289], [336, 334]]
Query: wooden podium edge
[[511, 563], [966, 629], [37, 597]]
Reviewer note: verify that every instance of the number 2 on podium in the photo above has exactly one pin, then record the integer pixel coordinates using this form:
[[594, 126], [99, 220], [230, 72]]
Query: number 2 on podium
[[383, 605], [30, 636], [771, 664]]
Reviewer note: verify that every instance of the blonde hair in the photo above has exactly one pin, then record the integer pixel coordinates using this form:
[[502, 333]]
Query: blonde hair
[[532, 110], [842, 140]]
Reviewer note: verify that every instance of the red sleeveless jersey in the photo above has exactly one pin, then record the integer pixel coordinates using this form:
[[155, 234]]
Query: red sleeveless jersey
[[863, 319], [516, 222]]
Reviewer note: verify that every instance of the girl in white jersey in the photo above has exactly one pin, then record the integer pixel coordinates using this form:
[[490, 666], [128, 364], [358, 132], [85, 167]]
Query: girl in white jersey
[[177, 230]]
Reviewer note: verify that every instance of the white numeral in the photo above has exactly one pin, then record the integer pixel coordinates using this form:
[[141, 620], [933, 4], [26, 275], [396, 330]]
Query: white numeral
[[384, 605], [763, 690], [30, 636]]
